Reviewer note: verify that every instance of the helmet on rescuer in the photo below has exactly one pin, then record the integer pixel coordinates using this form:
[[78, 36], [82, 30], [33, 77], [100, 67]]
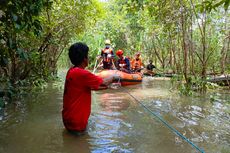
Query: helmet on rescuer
[[138, 54], [119, 52], [107, 42]]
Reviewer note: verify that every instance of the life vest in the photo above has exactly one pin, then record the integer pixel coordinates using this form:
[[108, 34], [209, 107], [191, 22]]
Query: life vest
[[136, 64], [123, 61], [105, 53]]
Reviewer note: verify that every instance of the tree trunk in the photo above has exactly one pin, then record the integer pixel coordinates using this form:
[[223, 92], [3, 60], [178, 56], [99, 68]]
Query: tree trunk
[[191, 48], [184, 47], [171, 51], [204, 61]]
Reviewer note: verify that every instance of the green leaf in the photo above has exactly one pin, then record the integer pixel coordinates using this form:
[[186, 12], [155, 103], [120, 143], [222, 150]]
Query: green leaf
[[15, 17], [19, 51], [22, 54], [10, 43], [4, 61], [17, 26], [218, 4], [226, 4]]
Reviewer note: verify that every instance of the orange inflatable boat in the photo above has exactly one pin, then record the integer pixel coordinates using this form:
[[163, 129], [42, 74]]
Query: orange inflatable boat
[[125, 78]]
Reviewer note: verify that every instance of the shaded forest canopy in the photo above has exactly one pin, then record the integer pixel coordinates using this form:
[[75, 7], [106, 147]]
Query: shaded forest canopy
[[187, 37]]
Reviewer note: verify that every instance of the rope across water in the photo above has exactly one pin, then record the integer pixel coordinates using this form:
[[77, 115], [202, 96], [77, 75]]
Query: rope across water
[[160, 118], [165, 123]]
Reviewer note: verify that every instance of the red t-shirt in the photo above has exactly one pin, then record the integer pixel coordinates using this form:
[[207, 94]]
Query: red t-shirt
[[77, 98]]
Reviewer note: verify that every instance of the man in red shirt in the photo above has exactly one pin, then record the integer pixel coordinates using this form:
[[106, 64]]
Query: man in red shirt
[[77, 93]]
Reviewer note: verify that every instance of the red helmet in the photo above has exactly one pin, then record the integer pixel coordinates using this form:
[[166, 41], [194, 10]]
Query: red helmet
[[119, 52]]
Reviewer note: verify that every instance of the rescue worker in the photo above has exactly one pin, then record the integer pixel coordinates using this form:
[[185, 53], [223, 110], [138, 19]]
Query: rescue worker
[[123, 63], [136, 63], [107, 56]]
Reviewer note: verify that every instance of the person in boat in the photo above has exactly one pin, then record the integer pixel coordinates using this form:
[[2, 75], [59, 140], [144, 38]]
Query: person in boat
[[150, 68], [136, 63], [123, 63], [77, 91], [107, 56]]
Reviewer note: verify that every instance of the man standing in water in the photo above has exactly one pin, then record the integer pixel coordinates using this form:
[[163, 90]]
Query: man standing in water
[[77, 93]]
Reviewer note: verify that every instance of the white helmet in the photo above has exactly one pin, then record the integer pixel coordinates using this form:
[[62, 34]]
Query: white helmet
[[107, 42]]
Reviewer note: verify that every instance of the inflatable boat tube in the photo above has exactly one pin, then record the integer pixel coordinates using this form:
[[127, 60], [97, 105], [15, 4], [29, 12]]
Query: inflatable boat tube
[[125, 78]]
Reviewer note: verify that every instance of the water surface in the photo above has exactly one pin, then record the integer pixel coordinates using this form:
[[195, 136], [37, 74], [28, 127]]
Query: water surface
[[118, 123]]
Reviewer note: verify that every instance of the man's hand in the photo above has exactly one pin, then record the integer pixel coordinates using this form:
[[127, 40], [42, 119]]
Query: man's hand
[[122, 65]]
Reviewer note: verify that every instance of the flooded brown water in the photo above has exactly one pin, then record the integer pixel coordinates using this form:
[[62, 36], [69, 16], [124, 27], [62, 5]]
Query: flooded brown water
[[118, 123]]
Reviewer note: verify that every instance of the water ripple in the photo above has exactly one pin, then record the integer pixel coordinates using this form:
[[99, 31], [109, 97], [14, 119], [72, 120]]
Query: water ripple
[[191, 115]]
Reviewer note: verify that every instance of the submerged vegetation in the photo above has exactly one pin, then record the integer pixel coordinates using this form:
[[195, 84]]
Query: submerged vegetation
[[190, 38]]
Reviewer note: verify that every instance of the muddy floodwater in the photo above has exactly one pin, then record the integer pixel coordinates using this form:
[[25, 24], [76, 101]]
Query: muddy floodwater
[[118, 123]]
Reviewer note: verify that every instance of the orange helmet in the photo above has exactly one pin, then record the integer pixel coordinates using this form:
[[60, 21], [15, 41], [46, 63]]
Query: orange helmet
[[119, 52]]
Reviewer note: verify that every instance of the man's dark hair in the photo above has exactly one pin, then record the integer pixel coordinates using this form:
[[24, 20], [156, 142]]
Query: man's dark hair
[[78, 52]]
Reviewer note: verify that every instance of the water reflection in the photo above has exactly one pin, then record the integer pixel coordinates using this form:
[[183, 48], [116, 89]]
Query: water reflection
[[73, 143], [113, 102], [107, 124]]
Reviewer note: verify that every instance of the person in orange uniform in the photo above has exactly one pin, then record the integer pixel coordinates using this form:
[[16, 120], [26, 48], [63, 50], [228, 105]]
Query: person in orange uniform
[[136, 63], [123, 63], [77, 92], [107, 55]]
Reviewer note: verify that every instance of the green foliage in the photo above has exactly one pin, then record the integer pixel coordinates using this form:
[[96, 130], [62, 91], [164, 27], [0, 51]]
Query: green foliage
[[29, 30], [185, 90], [194, 84], [19, 20], [35, 36], [209, 5]]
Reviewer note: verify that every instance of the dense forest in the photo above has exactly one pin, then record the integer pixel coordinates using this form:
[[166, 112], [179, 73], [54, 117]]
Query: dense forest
[[190, 38]]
